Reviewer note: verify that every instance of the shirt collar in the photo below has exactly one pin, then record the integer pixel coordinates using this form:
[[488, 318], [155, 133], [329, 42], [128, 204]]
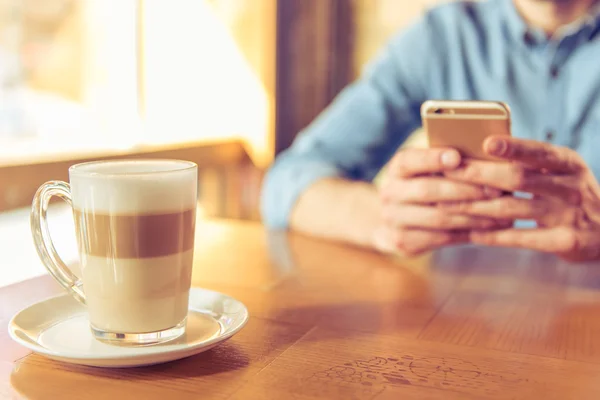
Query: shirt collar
[[523, 33]]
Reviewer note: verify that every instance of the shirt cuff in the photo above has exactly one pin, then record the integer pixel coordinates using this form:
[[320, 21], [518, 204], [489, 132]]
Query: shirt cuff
[[284, 184]]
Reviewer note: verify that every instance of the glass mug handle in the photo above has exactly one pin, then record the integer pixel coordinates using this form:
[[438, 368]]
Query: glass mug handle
[[43, 242]]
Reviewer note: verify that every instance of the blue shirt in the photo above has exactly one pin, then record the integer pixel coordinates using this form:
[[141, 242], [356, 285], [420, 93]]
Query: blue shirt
[[459, 51]]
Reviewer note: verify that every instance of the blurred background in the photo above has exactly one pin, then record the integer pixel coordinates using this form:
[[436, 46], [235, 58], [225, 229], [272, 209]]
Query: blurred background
[[224, 83]]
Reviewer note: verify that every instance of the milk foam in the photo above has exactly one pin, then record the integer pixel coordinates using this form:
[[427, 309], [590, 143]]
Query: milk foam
[[134, 186]]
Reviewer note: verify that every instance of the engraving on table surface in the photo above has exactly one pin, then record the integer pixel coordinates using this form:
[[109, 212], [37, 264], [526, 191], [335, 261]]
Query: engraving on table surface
[[366, 379], [443, 370], [347, 382]]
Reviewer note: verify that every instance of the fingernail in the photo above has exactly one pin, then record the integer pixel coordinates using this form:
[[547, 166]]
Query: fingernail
[[496, 146], [450, 159]]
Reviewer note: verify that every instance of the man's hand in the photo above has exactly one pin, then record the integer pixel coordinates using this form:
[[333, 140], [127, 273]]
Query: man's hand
[[412, 222], [565, 202]]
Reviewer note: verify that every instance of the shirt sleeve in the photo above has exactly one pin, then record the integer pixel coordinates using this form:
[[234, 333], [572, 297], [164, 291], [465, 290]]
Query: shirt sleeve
[[357, 134]]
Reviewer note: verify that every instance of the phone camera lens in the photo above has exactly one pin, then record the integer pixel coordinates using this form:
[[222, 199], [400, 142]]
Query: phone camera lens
[[438, 111]]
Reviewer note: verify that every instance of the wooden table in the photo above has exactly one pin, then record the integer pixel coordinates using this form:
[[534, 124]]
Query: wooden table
[[329, 321]]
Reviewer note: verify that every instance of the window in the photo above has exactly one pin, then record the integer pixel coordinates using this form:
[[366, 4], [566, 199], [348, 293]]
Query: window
[[89, 79], [105, 75]]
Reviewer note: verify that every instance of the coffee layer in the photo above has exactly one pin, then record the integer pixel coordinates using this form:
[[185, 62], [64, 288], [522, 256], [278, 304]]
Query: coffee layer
[[137, 295], [134, 236]]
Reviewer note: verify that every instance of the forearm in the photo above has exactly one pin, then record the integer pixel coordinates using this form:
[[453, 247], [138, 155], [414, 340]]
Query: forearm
[[338, 209]]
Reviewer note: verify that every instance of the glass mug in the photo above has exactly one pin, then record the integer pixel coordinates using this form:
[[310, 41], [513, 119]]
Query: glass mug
[[134, 221]]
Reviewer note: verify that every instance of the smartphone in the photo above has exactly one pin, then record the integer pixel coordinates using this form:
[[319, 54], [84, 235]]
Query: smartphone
[[464, 125]]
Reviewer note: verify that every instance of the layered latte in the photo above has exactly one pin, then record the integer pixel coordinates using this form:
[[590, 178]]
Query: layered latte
[[135, 225]]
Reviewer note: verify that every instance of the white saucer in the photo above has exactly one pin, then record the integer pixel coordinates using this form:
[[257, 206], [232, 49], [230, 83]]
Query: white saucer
[[58, 328]]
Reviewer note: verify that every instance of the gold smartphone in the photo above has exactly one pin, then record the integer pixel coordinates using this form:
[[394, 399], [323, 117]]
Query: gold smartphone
[[464, 125]]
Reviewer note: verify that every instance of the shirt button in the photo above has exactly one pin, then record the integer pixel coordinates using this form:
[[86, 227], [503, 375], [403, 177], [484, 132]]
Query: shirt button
[[554, 72], [549, 136], [528, 38]]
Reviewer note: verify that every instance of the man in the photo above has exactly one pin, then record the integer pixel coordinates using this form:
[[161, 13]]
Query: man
[[541, 57]]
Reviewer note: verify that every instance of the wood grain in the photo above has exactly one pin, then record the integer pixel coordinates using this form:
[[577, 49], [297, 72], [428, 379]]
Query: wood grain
[[330, 321]]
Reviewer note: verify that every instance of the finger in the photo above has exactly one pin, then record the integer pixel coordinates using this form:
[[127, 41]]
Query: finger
[[516, 177], [534, 153], [412, 162], [554, 240], [558, 187], [412, 242], [432, 190], [418, 216], [418, 241], [507, 207]]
